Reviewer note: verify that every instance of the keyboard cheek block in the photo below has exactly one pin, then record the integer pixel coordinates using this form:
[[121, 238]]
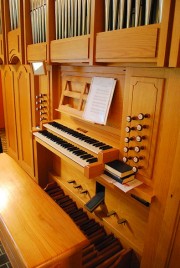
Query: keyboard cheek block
[[108, 155], [93, 170]]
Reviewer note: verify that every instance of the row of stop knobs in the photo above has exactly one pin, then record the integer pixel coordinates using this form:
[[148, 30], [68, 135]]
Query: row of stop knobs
[[138, 139], [41, 106]]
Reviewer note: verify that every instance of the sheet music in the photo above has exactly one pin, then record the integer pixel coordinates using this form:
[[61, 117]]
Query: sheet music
[[124, 187], [99, 99]]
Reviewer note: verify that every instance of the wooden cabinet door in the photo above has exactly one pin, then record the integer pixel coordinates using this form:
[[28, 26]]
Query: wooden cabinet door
[[24, 121], [10, 111]]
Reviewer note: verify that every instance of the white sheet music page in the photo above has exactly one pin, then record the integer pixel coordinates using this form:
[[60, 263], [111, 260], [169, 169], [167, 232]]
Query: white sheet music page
[[99, 100]]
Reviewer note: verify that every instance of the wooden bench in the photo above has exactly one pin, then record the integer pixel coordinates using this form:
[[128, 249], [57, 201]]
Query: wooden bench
[[34, 230]]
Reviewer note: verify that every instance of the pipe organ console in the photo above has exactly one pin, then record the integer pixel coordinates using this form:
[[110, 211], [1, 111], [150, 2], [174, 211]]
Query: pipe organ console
[[75, 152], [75, 41]]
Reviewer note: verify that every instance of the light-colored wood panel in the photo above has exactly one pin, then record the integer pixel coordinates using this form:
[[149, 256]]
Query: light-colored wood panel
[[3, 43], [136, 215], [140, 42], [2, 124], [174, 60], [24, 117], [175, 257], [14, 46], [39, 232], [14, 34], [75, 48], [165, 33], [37, 52], [166, 169], [97, 25], [145, 97], [2, 50], [10, 110]]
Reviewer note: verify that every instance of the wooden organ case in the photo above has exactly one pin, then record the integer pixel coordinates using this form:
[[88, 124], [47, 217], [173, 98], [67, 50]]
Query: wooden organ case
[[144, 109]]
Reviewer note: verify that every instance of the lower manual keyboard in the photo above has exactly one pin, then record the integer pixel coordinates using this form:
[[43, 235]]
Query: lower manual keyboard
[[74, 153]]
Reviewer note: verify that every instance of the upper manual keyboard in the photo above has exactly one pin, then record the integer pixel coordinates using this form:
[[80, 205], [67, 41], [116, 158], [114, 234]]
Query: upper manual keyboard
[[83, 140]]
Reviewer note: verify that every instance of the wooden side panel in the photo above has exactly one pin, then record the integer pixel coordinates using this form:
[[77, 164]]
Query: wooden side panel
[[2, 35], [2, 49], [162, 219], [24, 121], [165, 33], [140, 42], [71, 49], [175, 257], [10, 111], [145, 97], [37, 52], [14, 46], [1, 106], [175, 43]]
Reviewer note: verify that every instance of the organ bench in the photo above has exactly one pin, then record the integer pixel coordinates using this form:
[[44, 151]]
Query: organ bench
[[34, 231]]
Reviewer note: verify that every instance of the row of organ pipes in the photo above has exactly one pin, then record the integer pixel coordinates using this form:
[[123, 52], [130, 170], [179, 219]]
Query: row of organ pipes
[[14, 16], [38, 20], [73, 17], [131, 13]]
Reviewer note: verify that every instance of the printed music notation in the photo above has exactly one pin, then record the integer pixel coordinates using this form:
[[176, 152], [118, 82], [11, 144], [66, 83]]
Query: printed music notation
[[99, 100], [131, 13]]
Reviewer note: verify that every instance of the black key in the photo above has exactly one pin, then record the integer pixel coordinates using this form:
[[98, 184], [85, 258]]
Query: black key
[[92, 160], [86, 156], [105, 147]]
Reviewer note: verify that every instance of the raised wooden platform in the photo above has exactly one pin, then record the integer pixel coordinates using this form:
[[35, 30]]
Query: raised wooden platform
[[34, 231]]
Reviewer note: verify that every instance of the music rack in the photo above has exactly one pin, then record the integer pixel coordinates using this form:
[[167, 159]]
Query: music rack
[[74, 95]]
